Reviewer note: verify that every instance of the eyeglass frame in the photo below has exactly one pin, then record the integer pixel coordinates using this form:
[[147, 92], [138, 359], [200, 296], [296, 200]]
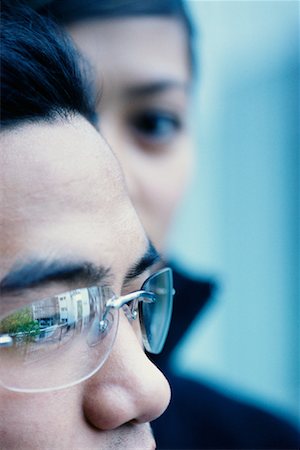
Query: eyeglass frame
[[116, 303]]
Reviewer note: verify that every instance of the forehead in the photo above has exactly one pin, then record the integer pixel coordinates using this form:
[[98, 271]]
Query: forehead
[[63, 156], [63, 195], [140, 48]]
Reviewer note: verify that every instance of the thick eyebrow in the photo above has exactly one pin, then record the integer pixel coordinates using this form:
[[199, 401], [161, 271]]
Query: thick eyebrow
[[37, 273], [149, 258], [155, 87]]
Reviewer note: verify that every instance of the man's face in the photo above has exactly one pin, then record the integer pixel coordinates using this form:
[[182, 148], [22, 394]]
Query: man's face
[[63, 200]]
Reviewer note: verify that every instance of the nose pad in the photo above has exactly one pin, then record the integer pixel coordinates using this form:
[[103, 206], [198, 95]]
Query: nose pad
[[128, 388]]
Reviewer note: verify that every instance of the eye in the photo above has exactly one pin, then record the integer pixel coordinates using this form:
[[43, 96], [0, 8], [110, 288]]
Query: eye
[[155, 127]]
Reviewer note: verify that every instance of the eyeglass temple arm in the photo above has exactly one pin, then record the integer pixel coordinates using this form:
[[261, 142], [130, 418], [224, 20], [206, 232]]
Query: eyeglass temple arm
[[118, 302]]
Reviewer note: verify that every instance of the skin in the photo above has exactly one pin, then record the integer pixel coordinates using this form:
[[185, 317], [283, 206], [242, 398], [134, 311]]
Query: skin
[[129, 56], [63, 197]]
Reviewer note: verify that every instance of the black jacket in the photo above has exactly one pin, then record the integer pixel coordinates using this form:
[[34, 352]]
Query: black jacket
[[199, 416]]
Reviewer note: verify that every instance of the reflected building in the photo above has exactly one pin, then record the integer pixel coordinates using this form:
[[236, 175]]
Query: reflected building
[[70, 308]]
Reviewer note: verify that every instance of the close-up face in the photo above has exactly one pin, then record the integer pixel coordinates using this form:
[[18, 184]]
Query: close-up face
[[67, 224], [142, 70]]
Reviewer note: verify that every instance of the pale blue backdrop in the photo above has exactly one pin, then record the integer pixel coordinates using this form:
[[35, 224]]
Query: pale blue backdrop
[[240, 221]]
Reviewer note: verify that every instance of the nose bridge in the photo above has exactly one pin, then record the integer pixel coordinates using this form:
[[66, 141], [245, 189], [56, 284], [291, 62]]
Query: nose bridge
[[128, 388]]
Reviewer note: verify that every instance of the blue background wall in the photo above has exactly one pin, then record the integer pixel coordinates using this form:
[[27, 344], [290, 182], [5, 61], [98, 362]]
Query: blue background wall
[[240, 220]]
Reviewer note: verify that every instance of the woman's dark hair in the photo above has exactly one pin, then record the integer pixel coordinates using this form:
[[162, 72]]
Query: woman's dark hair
[[70, 11], [42, 77]]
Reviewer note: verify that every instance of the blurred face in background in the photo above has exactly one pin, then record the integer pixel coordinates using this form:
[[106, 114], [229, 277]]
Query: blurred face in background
[[143, 73]]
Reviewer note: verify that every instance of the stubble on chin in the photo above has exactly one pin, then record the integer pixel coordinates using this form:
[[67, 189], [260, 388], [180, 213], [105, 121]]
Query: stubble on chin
[[131, 437]]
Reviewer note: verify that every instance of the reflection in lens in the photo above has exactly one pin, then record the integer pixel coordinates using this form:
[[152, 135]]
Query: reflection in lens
[[156, 317], [56, 342]]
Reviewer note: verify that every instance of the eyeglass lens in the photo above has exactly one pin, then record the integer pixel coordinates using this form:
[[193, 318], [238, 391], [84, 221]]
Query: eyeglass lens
[[60, 341], [52, 343], [155, 317]]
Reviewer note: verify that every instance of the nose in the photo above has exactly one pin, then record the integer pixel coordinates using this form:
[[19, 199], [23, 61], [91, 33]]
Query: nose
[[128, 388]]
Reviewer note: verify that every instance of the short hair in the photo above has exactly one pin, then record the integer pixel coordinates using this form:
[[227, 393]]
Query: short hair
[[70, 11], [42, 74]]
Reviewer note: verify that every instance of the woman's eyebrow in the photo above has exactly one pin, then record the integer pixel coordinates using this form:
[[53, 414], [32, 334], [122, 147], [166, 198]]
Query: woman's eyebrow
[[39, 272], [155, 87]]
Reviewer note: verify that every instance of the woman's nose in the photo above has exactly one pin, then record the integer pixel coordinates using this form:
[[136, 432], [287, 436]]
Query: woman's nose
[[126, 153], [128, 388]]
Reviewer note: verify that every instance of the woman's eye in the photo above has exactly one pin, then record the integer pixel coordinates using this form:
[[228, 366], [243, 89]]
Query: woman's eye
[[156, 127]]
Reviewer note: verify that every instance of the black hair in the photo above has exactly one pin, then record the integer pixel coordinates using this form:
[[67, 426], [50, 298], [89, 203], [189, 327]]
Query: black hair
[[70, 11], [42, 76]]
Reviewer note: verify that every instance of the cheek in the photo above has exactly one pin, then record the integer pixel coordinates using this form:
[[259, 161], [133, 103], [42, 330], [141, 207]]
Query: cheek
[[23, 426], [165, 180], [160, 184]]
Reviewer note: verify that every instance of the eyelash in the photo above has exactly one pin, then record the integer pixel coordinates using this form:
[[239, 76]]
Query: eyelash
[[155, 127]]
